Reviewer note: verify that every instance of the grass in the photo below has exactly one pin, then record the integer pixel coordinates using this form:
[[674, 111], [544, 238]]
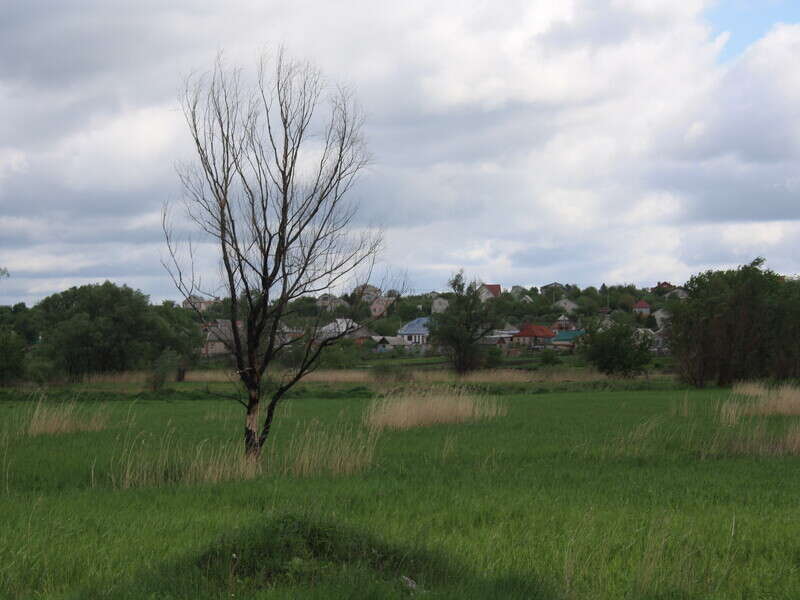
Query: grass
[[423, 407], [571, 495], [49, 418]]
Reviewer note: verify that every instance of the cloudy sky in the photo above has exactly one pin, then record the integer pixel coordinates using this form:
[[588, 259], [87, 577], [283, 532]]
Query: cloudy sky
[[526, 141]]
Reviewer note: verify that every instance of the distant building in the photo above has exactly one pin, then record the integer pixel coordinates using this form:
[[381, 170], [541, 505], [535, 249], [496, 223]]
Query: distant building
[[662, 317], [386, 343], [487, 291], [199, 304], [677, 294], [380, 305], [533, 335], [553, 290], [642, 308], [330, 302], [662, 287], [218, 337], [416, 332], [366, 293], [439, 305], [567, 340], [563, 323], [567, 305], [344, 328]]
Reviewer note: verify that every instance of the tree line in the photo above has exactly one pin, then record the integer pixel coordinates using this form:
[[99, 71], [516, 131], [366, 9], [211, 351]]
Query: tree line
[[97, 328]]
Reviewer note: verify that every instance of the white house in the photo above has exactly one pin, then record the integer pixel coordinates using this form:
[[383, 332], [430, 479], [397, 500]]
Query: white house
[[416, 332], [567, 305], [487, 291], [439, 305]]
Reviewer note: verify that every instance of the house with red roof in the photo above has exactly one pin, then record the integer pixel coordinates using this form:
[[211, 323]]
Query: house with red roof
[[487, 291], [642, 308], [533, 335]]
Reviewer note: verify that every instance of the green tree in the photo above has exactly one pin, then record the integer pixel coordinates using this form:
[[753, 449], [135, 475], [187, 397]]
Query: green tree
[[616, 350], [12, 356], [107, 328], [737, 324], [461, 327]]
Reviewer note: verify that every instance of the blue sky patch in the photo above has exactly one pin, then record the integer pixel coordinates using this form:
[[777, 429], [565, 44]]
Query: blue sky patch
[[749, 20]]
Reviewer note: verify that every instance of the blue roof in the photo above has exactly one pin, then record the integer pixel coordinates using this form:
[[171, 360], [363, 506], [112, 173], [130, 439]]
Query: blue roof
[[415, 327], [568, 336]]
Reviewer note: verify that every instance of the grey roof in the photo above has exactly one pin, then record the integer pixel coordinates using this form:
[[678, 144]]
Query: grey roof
[[416, 327]]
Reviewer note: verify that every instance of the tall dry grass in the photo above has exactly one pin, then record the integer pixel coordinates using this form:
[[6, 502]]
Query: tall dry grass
[[50, 418], [343, 449], [758, 399], [421, 407], [148, 461]]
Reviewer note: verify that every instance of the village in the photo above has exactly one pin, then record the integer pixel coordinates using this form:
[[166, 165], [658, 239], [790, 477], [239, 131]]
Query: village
[[554, 316]]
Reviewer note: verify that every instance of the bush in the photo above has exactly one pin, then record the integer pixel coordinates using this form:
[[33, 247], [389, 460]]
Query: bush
[[548, 357], [494, 358], [616, 350], [164, 365], [12, 356], [388, 372]]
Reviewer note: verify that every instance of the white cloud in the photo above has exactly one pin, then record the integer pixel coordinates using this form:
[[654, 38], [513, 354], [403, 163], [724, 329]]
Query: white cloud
[[584, 140]]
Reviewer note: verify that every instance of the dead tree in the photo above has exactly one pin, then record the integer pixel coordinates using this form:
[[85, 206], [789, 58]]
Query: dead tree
[[275, 160]]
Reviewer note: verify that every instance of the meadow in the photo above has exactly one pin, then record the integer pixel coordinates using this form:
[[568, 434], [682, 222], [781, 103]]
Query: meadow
[[508, 488]]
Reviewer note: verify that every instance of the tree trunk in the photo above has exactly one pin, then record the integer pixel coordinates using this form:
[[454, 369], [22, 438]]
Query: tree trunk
[[252, 445]]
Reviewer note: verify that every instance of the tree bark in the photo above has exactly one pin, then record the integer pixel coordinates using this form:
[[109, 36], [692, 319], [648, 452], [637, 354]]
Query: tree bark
[[252, 443]]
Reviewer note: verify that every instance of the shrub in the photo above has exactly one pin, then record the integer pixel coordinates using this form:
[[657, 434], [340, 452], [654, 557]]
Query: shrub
[[494, 358], [548, 357], [616, 350], [388, 372], [164, 365], [12, 356]]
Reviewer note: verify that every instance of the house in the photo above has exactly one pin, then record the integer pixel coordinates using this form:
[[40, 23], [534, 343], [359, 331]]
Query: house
[[487, 291], [366, 293], [526, 299], [567, 340], [642, 308], [662, 316], [199, 304], [439, 305], [662, 287], [518, 291], [416, 332], [387, 343], [554, 290], [567, 305], [677, 294], [533, 335], [330, 302], [218, 337], [500, 337], [563, 323], [380, 305], [337, 328]]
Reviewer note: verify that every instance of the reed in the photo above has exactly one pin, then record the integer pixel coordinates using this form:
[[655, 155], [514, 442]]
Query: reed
[[343, 449], [422, 407], [50, 418]]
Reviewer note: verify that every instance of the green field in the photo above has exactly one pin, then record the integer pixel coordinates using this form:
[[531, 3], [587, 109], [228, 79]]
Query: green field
[[592, 494]]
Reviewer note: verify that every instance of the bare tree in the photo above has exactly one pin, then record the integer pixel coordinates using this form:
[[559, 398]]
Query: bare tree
[[275, 159]]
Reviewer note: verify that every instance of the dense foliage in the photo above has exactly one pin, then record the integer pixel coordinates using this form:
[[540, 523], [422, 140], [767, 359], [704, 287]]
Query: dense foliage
[[461, 327], [738, 324], [93, 328], [616, 350]]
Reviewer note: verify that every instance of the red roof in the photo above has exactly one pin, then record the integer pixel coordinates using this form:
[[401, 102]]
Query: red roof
[[494, 288], [538, 331], [641, 304]]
